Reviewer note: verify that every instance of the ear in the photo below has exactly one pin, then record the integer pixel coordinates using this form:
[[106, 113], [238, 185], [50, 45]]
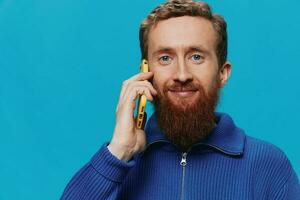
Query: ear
[[224, 73]]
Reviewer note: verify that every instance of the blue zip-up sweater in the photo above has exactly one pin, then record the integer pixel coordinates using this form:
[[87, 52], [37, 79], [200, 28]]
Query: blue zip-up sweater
[[228, 165]]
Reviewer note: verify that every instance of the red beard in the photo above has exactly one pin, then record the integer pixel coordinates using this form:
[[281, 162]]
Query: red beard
[[186, 123]]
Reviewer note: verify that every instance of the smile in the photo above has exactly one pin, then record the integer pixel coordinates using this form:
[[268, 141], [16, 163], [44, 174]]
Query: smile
[[182, 94]]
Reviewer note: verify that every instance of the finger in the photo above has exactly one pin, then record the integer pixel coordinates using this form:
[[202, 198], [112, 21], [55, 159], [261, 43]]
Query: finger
[[148, 95], [127, 103], [138, 77], [150, 86], [142, 90], [141, 76], [135, 84]]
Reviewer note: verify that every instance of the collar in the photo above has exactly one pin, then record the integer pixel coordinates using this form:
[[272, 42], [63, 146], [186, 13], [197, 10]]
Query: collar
[[225, 136]]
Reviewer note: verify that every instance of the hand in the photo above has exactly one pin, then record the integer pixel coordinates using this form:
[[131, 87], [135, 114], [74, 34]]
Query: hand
[[127, 139]]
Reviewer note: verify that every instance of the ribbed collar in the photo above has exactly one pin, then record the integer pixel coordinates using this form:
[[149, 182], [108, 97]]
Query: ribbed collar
[[225, 137]]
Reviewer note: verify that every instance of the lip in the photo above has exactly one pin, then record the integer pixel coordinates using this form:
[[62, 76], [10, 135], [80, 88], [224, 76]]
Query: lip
[[183, 93]]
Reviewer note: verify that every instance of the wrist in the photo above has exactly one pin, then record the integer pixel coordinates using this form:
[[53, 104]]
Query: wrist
[[119, 152]]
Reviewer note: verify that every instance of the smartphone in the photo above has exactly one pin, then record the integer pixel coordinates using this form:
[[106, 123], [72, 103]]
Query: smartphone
[[141, 116]]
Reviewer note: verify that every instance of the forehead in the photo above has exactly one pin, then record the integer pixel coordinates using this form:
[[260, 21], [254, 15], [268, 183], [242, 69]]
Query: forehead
[[183, 31]]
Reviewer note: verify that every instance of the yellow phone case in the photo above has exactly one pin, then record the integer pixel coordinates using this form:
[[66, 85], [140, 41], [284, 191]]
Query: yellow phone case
[[141, 109]]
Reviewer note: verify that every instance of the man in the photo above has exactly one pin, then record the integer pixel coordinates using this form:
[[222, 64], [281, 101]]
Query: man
[[188, 150]]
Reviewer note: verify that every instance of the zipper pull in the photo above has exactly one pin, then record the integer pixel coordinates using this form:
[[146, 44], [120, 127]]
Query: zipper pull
[[183, 159]]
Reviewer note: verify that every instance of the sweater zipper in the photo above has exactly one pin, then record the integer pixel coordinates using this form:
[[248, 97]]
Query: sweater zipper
[[183, 161], [183, 164]]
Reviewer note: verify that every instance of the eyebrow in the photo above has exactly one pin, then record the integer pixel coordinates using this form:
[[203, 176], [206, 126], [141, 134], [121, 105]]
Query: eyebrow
[[162, 49]]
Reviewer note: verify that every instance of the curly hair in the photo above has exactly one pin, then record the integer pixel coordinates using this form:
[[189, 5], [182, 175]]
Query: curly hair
[[178, 8]]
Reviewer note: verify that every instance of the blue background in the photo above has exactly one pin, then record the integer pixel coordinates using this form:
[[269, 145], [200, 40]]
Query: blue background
[[62, 63]]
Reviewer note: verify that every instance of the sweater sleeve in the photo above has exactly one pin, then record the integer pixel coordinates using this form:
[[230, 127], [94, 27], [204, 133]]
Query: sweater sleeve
[[284, 184], [101, 178], [290, 190]]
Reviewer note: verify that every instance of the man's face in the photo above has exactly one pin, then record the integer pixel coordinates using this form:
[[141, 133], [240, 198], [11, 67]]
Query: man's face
[[182, 55], [182, 50]]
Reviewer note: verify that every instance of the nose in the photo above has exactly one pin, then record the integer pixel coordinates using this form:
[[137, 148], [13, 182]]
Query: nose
[[182, 73]]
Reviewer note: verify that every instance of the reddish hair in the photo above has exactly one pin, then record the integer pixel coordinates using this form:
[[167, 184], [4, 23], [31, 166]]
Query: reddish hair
[[178, 8]]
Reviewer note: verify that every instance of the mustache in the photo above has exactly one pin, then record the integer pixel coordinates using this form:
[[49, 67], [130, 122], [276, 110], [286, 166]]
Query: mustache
[[182, 87]]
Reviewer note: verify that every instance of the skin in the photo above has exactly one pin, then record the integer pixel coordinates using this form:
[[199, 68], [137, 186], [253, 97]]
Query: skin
[[181, 49]]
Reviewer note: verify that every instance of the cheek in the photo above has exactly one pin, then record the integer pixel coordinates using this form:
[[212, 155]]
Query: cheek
[[207, 76], [212, 84], [159, 80], [157, 83]]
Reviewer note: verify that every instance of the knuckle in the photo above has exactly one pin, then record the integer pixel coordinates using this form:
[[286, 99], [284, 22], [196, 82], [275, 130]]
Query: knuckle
[[148, 83], [125, 83], [148, 90], [130, 84]]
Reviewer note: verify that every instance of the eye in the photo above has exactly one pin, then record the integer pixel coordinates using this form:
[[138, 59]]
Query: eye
[[164, 59], [196, 57]]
